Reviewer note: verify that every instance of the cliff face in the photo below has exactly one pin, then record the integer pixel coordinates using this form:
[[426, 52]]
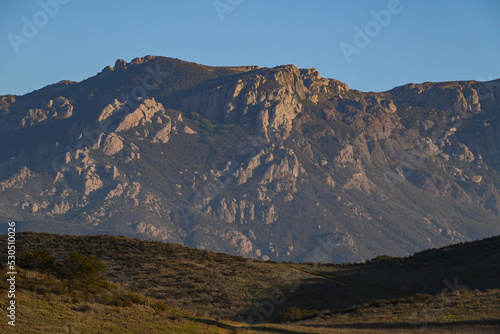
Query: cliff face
[[462, 97], [268, 101], [269, 163]]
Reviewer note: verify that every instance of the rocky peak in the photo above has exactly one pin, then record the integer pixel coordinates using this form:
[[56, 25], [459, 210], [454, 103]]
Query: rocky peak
[[289, 76], [142, 60], [120, 65]]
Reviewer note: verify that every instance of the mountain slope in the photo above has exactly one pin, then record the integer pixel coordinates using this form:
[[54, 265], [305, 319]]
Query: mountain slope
[[269, 163]]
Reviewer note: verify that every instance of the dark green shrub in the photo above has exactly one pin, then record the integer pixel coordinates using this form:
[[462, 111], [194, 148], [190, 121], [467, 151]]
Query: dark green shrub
[[384, 259], [36, 260], [86, 269], [293, 314]]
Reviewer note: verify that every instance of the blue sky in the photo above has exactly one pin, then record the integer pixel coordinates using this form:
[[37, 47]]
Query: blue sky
[[421, 41]]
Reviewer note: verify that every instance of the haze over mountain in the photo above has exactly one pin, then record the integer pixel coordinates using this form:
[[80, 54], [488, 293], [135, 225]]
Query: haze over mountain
[[271, 163]]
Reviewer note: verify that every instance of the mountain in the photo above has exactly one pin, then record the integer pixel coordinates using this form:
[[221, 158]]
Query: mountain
[[268, 163], [171, 288]]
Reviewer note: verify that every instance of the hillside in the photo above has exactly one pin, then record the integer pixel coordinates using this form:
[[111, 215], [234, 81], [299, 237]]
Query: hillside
[[452, 289], [266, 163]]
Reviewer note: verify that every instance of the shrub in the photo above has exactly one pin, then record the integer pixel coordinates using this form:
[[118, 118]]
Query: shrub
[[135, 298], [86, 269], [293, 313], [117, 298], [37, 260], [120, 300], [84, 308], [306, 102], [422, 297], [384, 259], [195, 115], [159, 306]]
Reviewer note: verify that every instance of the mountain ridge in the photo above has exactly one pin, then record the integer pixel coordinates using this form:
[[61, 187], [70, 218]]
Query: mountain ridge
[[261, 162]]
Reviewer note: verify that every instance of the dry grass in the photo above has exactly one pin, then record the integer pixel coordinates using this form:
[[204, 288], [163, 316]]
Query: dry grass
[[162, 288], [36, 314]]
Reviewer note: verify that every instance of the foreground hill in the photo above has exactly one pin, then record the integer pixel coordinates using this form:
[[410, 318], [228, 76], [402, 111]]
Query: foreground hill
[[266, 163], [449, 289]]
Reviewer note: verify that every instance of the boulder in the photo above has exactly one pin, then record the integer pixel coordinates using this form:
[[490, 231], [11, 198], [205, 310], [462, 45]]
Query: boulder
[[113, 144]]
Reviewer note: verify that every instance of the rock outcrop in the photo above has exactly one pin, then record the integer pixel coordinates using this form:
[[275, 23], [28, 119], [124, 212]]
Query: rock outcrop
[[113, 144], [17, 181], [28, 113], [269, 101], [163, 136], [117, 192], [144, 113]]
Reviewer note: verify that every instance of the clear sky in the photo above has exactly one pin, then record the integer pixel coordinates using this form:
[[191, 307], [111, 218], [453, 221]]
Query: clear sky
[[421, 40]]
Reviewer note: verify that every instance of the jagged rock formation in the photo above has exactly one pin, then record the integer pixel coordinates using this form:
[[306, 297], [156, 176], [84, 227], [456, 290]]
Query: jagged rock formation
[[273, 163], [163, 135], [113, 144], [24, 114]]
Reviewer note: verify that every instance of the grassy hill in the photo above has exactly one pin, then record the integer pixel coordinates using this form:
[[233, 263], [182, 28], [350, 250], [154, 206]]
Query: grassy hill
[[155, 287]]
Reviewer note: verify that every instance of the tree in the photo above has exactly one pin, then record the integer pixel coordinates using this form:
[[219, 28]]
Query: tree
[[86, 269]]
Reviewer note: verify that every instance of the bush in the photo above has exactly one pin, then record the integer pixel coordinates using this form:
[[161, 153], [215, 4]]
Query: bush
[[384, 259], [294, 314], [37, 260], [117, 298], [84, 308], [120, 301], [159, 306], [422, 297], [306, 102], [195, 115], [86, 269], [135, 298]]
